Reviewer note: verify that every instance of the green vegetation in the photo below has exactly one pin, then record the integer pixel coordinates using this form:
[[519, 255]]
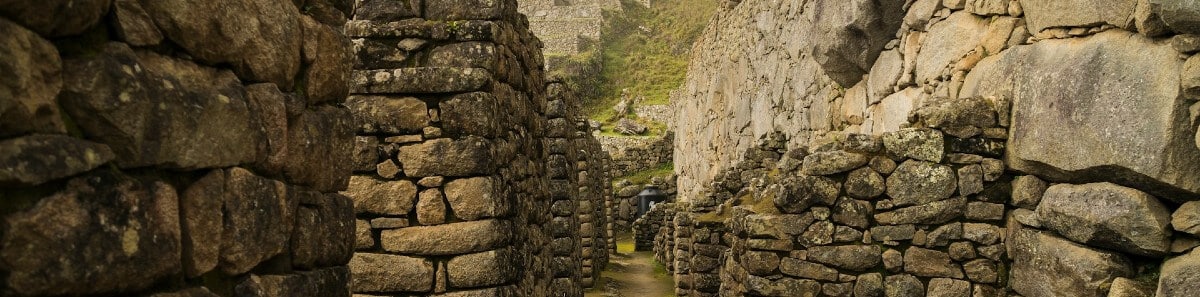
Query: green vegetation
[[646, 50], [644, 176]]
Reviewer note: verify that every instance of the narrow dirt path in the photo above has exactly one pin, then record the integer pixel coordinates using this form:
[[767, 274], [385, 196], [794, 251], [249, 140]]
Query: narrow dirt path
[[632, 274]]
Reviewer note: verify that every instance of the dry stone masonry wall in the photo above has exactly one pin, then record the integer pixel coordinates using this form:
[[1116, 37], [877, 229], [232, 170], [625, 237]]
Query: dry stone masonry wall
[[1094, 107], [566, 26], [472, 174], [633, 154], [167, 148]]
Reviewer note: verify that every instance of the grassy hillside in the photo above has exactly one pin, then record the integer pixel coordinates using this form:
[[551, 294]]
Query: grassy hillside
[[646, 51]]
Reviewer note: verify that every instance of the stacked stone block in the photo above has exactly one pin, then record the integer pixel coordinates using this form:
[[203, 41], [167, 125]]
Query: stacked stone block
[[647, 227], [142, 154], [633, 154], [917, 212], [594, 180], [664, 240], [682, 240], [451, 186], [566, 188]]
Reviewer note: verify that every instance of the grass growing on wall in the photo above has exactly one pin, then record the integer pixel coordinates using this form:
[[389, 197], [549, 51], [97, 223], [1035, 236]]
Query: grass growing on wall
[[646, 50], [643, 177]]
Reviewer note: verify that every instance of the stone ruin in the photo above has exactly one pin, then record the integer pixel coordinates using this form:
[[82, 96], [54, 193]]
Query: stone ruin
[[1089, 169], [306, 148], [566, 27], [400, 148], [159, 148]]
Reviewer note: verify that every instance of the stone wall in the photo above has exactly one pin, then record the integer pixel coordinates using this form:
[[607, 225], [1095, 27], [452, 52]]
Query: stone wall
[[928, 210], [472, 174], [1101, 132], [144, 154], [624, 207], [647, 227], [633, 154], [447, 186], [566, 26]]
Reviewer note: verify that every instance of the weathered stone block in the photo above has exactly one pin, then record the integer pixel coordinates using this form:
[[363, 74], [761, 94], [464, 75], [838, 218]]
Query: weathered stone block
[[920, 144], [471, 114], [804, 269], [1042, 14], [325, 232], [827, 163], [431, 207], [419, 28], [929, 214], [419, 80], [477, 198], [269, 106], [853, 34], [390, 273], [257, 220], [864, 183], [395, 198], [317, 144], [945, 287], [1181, 16], [448, 239], [1109, 216], [903, 285], [446, 157], [453, 10], [387, 10], [1078, 270], [919, 182], [127, 243], [851, 257], [154, 116], [27, 95], [1063, 115], [802, 192], [35, 159], [484, 269], [388, 114], [32, 15], [930, 263], [331, 282], [780, 287], [954, 37], [261, 39], [326, 53], [201, 215]]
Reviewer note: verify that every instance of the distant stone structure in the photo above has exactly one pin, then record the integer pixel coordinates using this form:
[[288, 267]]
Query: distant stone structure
[[633, 154], [565, 26]]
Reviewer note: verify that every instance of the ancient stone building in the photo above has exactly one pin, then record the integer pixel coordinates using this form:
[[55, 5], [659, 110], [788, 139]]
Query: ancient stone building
[[211, 149], [472, 176], [165, 148], [939, 148]]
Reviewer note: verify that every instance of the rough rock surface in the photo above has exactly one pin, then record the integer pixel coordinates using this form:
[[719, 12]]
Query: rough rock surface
[[852, 34], [919, 182], [1109, 216], [129, 243], [1079, 110], [1042, 14], [36, 159], [261, 39], [1081, 271], [116, 99], [27, 99], [1179, 276]]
